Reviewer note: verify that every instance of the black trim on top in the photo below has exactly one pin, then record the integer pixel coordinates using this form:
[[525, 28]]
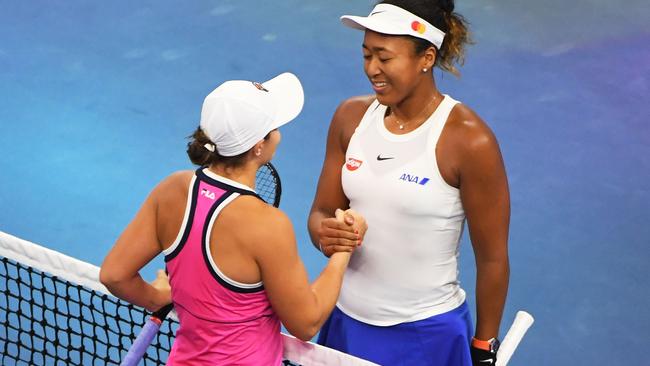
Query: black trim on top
[[377, 106], [205, 235], [225, 186], [188, 223]]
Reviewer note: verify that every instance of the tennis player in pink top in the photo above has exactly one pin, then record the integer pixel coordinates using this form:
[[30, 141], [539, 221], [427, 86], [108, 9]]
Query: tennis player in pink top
[[234, 269]]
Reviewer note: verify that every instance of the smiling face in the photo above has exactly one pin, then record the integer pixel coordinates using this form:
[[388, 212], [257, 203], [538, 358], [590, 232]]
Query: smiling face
[[393, 67]]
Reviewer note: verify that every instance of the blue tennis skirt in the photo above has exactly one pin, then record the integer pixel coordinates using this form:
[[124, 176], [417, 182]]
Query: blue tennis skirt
[[441, 340]]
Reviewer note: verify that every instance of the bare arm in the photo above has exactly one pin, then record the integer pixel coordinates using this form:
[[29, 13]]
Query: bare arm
[[136, 247], [326, 233], [302, 308], [484, 192]]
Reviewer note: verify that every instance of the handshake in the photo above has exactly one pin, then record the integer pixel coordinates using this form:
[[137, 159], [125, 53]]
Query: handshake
[[342, 233]]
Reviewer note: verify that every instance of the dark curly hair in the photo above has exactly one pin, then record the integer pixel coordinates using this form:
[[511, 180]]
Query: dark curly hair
[[201, 156], [440, 13]]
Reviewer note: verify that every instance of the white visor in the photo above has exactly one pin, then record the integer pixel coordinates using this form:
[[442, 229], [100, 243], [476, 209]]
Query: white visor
[[393, 20], [239, 113]]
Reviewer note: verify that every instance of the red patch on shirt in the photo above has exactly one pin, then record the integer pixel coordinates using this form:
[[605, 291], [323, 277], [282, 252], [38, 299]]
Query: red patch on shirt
[[353, 164]]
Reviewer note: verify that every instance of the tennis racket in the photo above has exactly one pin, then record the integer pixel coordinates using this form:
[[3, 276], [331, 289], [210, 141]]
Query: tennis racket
[[267, 184], [517, 330], [269, 189]]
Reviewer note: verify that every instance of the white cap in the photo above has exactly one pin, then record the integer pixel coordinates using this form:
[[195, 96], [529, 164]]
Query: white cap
[[391, 19], [239, 113]]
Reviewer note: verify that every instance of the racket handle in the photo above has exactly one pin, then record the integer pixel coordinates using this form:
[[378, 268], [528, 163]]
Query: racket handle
[[140, 345], [144, 339], [517, 330]]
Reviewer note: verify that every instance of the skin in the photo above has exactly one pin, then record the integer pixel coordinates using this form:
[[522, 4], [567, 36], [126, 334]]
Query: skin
[[468, 157], [262, 248]]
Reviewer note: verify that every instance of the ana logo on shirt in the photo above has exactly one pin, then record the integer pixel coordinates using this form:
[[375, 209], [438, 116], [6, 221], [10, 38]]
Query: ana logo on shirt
[[413, 179], [353, 164]]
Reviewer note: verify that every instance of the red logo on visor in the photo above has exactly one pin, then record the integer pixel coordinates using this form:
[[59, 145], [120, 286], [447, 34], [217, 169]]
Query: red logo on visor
[[353, 164], [418, 27]]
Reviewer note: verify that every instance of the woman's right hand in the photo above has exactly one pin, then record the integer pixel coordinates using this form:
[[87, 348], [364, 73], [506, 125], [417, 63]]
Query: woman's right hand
[[358, 222], [338, 234], [163, 288]]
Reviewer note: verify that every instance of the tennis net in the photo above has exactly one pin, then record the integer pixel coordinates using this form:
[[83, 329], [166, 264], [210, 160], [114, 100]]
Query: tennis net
[[54, 311]]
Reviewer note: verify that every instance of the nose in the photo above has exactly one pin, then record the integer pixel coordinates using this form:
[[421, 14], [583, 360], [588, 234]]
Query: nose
[[371, 66]]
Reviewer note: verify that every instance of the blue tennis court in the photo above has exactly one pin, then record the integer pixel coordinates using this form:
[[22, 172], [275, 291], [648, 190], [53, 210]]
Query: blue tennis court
[[98, 97]]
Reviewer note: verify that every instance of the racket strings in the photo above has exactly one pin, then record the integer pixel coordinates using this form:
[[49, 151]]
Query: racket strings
[[267, 184]]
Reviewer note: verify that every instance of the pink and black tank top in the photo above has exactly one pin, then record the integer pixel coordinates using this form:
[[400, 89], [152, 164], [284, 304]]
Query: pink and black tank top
[[222, 321]]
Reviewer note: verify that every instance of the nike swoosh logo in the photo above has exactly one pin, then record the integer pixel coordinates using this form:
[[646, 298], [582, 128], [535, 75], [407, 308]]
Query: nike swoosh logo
[[377, 12], [488, 361], [379, 158]]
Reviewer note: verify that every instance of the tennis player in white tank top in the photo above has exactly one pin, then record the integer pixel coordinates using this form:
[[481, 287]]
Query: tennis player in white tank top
[[397, 186], [417, 165]]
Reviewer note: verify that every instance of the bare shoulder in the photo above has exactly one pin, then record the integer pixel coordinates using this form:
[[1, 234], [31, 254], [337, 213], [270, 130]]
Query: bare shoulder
[[355, 105], [466, 144], [351, 110], [180, 177], [263, 222], [348, 115], [177, 182], [467, 131]]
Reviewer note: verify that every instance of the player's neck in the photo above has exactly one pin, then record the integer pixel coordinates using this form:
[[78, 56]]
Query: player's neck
[[420, 104], [244, 174]]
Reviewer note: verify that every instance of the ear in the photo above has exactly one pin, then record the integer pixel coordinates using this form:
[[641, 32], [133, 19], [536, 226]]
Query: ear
[[429, 58], [257, 149]]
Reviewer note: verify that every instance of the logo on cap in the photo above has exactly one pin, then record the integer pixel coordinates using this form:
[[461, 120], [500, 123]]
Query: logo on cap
[[418, 27], [259, 86]]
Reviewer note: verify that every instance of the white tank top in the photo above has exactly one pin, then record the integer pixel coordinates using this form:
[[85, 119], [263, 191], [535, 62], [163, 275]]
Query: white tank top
[[407, 267]]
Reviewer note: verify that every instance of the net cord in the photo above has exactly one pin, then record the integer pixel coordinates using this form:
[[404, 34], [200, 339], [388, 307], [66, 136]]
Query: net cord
[[87, 275], [52, 262]]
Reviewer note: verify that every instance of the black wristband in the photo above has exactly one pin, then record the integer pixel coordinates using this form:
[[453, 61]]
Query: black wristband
[[481, 357]]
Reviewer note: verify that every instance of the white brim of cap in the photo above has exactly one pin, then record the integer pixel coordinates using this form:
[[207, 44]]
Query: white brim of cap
[[289, 97], [377, 25], [393, 20]]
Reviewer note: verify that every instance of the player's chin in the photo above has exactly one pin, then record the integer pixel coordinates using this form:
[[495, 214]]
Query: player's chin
[[381, 98], [386, 98]]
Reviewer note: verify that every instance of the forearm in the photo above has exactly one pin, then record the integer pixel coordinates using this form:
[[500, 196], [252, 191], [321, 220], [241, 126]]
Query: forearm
[[327, 286], [136, 291], [491, 290], [316, 216]]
